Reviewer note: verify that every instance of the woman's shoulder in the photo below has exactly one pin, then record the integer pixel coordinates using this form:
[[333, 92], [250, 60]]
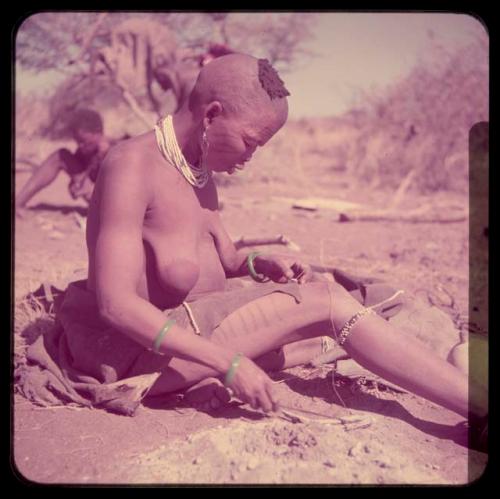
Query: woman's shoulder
[[131, 154], [128, 169]]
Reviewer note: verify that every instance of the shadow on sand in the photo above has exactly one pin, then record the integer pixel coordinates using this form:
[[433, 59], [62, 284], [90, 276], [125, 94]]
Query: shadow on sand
[[316, 387]]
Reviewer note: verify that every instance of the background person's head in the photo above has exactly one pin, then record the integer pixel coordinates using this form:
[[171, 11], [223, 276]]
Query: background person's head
[[214, 51], [241, 103], [86, 126]]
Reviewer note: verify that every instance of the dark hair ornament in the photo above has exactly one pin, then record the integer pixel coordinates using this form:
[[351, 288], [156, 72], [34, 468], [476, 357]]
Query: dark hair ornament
[[270, 80]]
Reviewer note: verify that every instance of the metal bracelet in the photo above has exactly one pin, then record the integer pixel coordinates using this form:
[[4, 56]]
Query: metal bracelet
[[232, 369], [161, 335], [251, 269]]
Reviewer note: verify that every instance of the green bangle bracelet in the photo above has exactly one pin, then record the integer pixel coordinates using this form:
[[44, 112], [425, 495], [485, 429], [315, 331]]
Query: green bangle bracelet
[[161, 335], [232, 370], [251, 269]]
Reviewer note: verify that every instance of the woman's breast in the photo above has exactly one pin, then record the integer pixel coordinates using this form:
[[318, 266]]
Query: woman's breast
[[211, 276], [180, 267]]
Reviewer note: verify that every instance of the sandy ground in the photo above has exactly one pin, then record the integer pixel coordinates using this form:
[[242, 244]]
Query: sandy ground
[[405, 438]]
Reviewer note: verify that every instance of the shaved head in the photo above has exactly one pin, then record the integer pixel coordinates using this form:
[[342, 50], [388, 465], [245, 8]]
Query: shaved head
[[245, 86]]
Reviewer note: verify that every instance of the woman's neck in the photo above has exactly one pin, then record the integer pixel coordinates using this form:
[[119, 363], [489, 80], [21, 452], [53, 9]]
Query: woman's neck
[[187, 134]]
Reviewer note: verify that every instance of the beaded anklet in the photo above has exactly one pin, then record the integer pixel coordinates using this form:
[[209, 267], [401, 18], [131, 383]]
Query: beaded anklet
[[346, 328]]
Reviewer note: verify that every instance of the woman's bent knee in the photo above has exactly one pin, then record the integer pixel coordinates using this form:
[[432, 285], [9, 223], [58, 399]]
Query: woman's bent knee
[[326, 292], [334, 300]]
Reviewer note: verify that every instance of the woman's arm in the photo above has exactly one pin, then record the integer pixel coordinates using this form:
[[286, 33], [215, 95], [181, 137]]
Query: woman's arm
[[279, 268]]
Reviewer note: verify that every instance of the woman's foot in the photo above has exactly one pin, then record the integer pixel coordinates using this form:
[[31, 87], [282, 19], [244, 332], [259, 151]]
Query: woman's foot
[[459, 357], [207, 395], [471, 357]]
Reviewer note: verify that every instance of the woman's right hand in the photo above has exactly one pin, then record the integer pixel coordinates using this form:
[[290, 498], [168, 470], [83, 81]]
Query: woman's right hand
[[252, 385]]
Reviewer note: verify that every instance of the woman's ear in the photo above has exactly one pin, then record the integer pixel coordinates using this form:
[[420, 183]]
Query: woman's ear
[[212, 110]]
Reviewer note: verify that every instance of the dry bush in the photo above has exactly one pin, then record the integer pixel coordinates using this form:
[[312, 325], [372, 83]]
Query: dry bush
[[307, 157], [423, 123], [30, 116], [31, 321], [419, 124], [281, 164]]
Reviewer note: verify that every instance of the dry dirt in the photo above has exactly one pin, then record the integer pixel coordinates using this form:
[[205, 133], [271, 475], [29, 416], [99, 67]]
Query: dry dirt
[[409, 440]]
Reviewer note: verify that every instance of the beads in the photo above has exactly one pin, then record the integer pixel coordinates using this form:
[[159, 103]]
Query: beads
[[346, 328]]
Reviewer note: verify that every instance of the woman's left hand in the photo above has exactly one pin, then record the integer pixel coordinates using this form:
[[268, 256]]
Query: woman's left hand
[[282, 268]]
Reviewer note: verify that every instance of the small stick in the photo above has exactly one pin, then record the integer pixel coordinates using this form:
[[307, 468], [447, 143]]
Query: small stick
[[258, 241], [302, 415]]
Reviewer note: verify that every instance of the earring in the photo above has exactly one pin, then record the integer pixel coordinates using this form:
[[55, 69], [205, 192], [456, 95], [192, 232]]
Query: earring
[[204, 140], [204, 148]]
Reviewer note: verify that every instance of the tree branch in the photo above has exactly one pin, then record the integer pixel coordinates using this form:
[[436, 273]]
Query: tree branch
[[90, 36], [126, 94]]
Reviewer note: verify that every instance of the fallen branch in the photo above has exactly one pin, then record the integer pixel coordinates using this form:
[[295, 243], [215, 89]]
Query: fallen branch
[[423, 214], [315, 203], [261, 241]]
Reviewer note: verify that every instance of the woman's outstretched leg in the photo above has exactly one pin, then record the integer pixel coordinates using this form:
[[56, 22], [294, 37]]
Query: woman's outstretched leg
[[275, 320], [382, 349]]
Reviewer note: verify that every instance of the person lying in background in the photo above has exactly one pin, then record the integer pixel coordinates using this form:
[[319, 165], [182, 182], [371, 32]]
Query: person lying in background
[[82, 166]]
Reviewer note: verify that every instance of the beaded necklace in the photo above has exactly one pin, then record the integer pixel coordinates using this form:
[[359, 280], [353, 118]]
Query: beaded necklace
[[169, 147]]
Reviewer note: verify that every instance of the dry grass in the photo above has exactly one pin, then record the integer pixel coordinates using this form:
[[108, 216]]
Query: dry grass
[[422, 123], [30, 321]]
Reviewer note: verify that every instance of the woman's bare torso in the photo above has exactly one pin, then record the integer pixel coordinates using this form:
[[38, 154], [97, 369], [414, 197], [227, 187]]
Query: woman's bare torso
[[180, 227]]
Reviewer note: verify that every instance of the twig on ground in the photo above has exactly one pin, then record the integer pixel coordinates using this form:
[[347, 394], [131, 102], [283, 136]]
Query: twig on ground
[[333, 371], [260, 241], [423, 214], [54, 407], [283, 380]]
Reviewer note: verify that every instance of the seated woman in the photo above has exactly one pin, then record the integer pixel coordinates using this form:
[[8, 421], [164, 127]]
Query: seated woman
[[160, 263]]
